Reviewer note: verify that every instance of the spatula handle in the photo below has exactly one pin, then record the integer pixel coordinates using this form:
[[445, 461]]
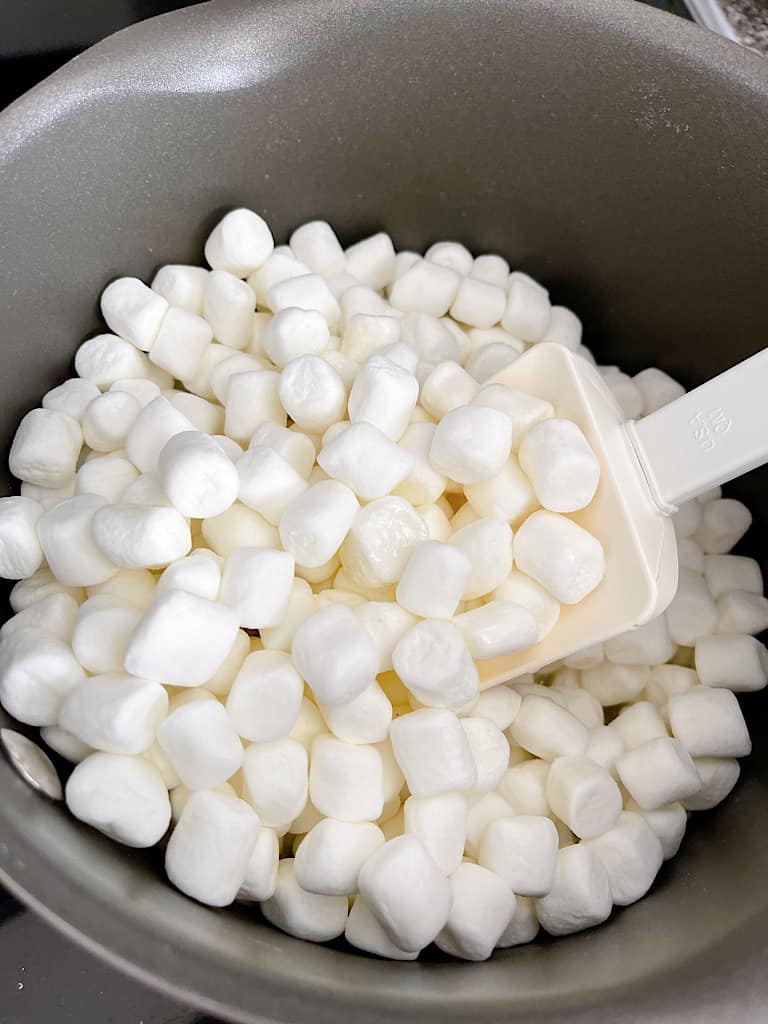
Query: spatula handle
[[709, 436]]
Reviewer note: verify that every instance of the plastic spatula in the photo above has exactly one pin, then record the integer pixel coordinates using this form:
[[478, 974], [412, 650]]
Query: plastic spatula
[[648, 468]]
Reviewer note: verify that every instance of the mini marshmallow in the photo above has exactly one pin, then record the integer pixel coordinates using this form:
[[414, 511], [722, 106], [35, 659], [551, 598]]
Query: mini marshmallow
[[433, 752], [72, 397], [639, 723], [275, 778], [523, 927], [645, 645], [709, 723], [364, 719], [560, 464], [657, 388], [490, 750], [434, 580], [426, 287], [301, 605], [133, 311], [526, 592], [583, 795], [734, 660], [45, 448], [266, 697], [740, 611], [228, 306], [560, 555], [197, 476], [345, 779], [358, 300], [563, 328], [293, 333], [305, 915], [37, 672], [481, 810], [140, 536], [423, 484], [314, 525], [481, 911], [65, 744], [315, 243], [490, 360], [488, 545], [631, 854], [438, 523], [439, 822], [490, 268], [154, 426], [240, 243], [181, 343], [296, 448], [309, 291], [524, 411], [39, 585], [687, 519], [55, 614], [329, 859], [508, 495], [471, 443], [123, 797], [431, 339], [690, 555], [105, 359], [451, 254], [497, 628], [335, 655], [523, 786], [658, 772], [116, 713], [108, 476], [364, 932], [101, 633], [230, 362], [200, 742], [312, 393], [604, 745], [260, 879], [718, 776], [723, 523], [548, 730], [182, 286], [257, 584], [626, 392], [108, 419], [499, 704], [434, 663], [323, 576], [221, 681], [146, 490], [580, 896], [252, 398], [239, 527], [585, 707], [383, 537], [366, 460], [522, 851], [724, 573], [182, 640], [668, 823], [478, 303], [614, 684], [692, 613], [367, 334], [67, 534], [198, 573], [527, 311], [280, 266], [209, 850], [664, 680], [384, 395], [20, 551], [133, 587]]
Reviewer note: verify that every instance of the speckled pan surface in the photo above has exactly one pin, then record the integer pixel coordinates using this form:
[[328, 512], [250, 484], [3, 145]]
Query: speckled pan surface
[[617, 154]]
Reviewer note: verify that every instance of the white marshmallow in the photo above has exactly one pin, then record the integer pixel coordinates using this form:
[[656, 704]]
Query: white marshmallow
[[526, 592], [265, 697], [198, 573], [548, 730], [446, 387], [108, 419], [482, 909], [141, 536], [133, 587], [37, 671], [209, 850], [293, 333], [384, 395], [724, 573], [200, 741], [522, 851], [382, 539], [471, 443], [39, 585], [45, 448], [72, 397], [308, 291], [182, 640], [314, 525], [66, 535], [687, 519], [524, 411], [563, 328], [733, 660], [146, 489], [48, 497], [322, 576], [434, 663], [364, 932], [430, 338], [296, 448], [386, 623], [239, 527], [527, 311], [329, 860], [133, 311], [364, 719], [523, 927], [181, 343], [614, 684], [181, 285], [197, 476], [560, 555], [65, 744], [123, 797], [624, 390], [580, 896], [315, 243], [252, 397], [55, 614], [257, 583], [485, 363], [481, 810], [439, 822], [692, 613], [280, 265], [107, 476], [20, 551], [639, 723], [312, 393], [366, 460], [508, 495], [523, 787], [240, 243], [478, 303], [372, 260], [426, 287], [230, 362], [154, 426], [690, 555], [487, 544], [335, 655], [260, 879], [345, 779], [664, 680], [668, 823], [491, 268], [499, 704], [304, 914], [658, 772], [631, 853], [497, 628], [105, 359], [366, 334], [583, 795], [709, 723], [437, 521], [723, 523], [101, 633], [404, 260], [451, 254], [116, 713], [490, 750], [221, 681], [301, 604], [275, 780], [657, 388], [718, 776], [645, 645], [434, 579], [228, 306], [560, 464], [740, 611], [423, 484], [433, 752]]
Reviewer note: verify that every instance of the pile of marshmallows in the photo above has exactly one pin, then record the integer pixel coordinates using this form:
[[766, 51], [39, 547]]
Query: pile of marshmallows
[[262, 539]]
